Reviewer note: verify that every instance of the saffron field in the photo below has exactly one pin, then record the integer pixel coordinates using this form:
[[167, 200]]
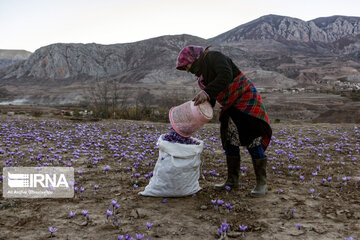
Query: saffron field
[[313, 180]]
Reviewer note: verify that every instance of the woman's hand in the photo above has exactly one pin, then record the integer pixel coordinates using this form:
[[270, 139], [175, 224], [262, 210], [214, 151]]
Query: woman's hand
[[201, 97]]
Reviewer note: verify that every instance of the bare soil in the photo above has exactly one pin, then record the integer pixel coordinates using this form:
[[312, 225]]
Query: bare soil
[[315, 151]]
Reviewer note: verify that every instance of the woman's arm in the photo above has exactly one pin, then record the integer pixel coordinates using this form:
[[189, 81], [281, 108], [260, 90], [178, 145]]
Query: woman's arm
[[220, 64]]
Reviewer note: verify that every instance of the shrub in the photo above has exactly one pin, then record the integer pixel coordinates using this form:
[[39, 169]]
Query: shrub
[[37, 114]]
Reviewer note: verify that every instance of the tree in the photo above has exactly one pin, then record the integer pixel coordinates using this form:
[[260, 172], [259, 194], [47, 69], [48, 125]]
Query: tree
[[103, 97]]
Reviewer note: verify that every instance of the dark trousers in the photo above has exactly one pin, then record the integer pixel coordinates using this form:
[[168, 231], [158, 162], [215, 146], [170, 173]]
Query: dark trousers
[[255, 152]]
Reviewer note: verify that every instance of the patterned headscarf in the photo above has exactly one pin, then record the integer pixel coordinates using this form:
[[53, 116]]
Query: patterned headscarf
[[189, 54]]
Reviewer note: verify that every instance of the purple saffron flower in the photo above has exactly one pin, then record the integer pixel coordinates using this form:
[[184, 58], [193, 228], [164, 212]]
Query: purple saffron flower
[[227, 188], [71, 214], [96, 187], [164, 200], [228, 206], [84, 212], [52, 230], [107, 168], [220, 202], [213, 201], [243, 228], [149, 225], [225, 227], [312, 190], [128, 237], [280, 191], [298, 226], [139, 236], [108, 214], [135, 186], [113, 202], [120, 237], [243, 169]]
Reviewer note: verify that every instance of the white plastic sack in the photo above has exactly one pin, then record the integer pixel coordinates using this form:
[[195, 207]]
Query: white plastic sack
[[177, 170]]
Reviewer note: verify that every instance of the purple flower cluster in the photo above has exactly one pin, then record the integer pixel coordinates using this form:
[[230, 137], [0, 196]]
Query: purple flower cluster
[[174, 137], [218, 203], [224, 228], [112, 212]]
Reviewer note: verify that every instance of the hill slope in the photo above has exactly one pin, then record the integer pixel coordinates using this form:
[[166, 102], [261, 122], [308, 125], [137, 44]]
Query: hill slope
[[10, 57]]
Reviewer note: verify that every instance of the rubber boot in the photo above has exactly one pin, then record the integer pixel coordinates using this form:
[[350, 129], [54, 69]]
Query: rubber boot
[[233, 169], [260, 172]]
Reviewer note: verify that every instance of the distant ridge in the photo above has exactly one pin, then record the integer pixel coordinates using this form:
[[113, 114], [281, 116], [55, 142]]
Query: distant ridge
[[275, 27], [9, 57]]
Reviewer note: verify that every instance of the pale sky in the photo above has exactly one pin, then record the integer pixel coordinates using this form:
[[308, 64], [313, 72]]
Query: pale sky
[[31, 24]]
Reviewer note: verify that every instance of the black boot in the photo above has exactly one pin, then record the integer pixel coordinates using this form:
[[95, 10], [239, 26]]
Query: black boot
[[233, 168], [260, 172]]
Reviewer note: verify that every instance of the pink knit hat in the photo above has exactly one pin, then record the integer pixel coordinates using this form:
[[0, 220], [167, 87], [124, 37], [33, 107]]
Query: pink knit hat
[[189, 54]]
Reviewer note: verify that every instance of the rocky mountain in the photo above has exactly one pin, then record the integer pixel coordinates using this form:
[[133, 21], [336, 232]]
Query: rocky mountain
[[325, 30], [132, 62], [147, 61], [337, 34], [349, 45], [276, 51], [10, 57]]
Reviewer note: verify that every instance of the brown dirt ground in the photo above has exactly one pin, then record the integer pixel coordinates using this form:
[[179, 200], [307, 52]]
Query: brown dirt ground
[[334, 214]]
